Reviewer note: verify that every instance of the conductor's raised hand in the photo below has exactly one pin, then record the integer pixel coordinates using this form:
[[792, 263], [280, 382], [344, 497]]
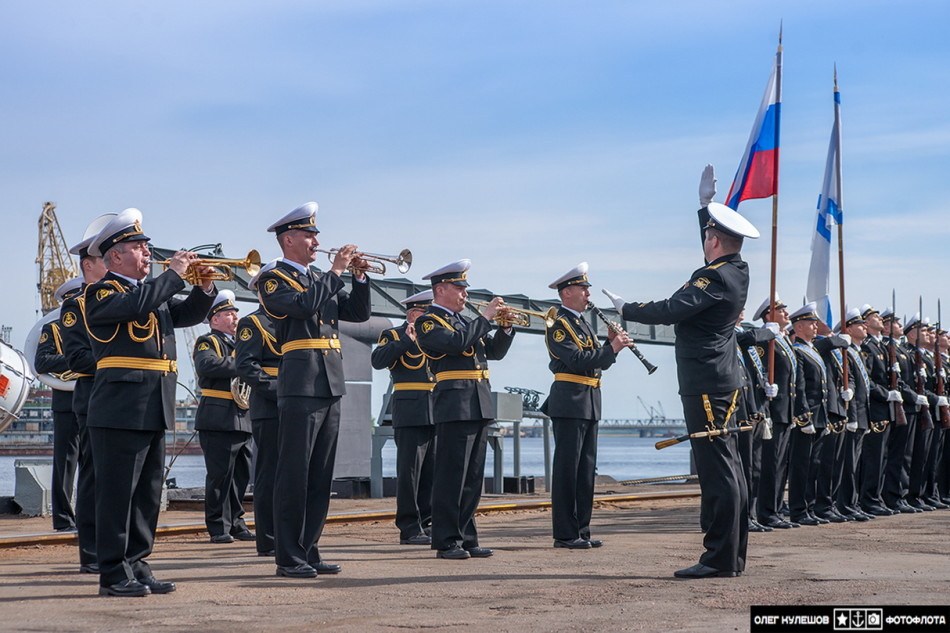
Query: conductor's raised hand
[[707, 186]]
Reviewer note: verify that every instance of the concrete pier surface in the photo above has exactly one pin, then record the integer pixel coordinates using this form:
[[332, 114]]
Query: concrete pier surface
[[627, 585]]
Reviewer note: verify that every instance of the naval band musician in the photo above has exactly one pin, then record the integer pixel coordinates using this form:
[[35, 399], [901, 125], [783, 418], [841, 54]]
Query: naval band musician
[[81, 362], [459, 349], [413, 431], [704, 312], [574, 404], [258, 358], [131, 323], [306, 308], [224, 429]]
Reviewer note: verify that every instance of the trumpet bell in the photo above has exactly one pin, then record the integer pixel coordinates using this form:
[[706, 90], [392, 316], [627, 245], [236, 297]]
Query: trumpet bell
[[404, 260]]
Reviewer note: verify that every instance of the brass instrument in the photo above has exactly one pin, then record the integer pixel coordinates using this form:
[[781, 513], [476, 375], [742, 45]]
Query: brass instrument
[[508, 316], [241, 392], [224, 268], [403, 260]]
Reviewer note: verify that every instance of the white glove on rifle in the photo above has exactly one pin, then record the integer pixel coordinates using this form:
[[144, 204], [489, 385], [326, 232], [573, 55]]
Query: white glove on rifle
[[921, 401], [846, 338], [847, 394], [771, 390], [767, 431], [894, 396], [707, 186], [808, 429], [942, 401], [617, 300], [923, 372], [773, 328], [851, 426], [896, 368]]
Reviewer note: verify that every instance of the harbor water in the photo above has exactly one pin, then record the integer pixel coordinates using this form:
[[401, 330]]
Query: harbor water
[[619, 456]]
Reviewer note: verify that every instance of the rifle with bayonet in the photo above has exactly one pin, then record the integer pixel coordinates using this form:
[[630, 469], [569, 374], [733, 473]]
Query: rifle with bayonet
[[897, 409], [923, 410], [943, 411]]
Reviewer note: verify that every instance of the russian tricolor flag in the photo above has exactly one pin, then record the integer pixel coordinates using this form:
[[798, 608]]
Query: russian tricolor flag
[[757, 176]]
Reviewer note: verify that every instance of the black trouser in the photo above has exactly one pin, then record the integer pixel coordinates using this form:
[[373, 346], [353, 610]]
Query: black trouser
[[415, 464], [872, 469], [86, 497], [722, 485], [825, 455], [774, 473], [803, 466], [306, 440], [227, 462], [572, 477], [458, 484], [918, 464], [943, 469], [265, 469], [65, 460], [129, 467], [852, 444], [934, 460], [900, 449]]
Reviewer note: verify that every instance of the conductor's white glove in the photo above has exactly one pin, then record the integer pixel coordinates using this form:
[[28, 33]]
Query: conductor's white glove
[[617, 300], [808, 429], [894, 396], [921, 401], [771, 390], [707, 186], [851, 426], [942, 401], [847, 394], [846, 338], [773, 327]]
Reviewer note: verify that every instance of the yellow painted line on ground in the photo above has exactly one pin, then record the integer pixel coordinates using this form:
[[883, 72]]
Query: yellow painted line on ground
[[179, 529]]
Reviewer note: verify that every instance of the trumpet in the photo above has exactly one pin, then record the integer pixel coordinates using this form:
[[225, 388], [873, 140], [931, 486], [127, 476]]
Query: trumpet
[[223, 268], [509, 315], [403, 260]]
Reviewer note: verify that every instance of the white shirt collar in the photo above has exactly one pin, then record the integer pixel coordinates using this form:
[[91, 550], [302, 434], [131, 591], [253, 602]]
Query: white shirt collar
[[134, 282], [294, 264]]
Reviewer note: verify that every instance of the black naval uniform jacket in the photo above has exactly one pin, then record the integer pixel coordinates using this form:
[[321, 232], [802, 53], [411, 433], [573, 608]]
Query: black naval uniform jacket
[[413, 383], [859, 407], [77, 350], [875, 355], [51, 360], [927, 368], [753, 404], [453, 343], [215, 367], [577, 362], [132, 331], [704, 312], [906, 381], [257, 357], [306, 309], [790, 401]]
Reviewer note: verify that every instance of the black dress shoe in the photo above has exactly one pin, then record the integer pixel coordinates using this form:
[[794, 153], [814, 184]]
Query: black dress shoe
[[755, 526], [479, 552], [89, 568], [68, 528], [861, 517], [777, 524], [703, 571], [222, 538], [936, 503], [416, 539], [125, 589], [595, 542], [453, 553], [805, 520], [269, 553], [297, 571], [832, 518], [906, 508], [577, 543], [917, 504], [327, 568], [157, 586], [244, 535]]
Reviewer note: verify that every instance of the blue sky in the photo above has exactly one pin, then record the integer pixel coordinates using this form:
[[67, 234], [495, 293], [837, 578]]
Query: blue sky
[[526, 136]]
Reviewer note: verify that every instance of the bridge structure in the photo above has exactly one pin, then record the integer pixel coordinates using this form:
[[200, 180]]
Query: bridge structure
[[640, 427]]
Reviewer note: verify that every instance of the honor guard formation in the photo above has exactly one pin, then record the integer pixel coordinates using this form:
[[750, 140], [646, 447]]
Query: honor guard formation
[[851, 422]]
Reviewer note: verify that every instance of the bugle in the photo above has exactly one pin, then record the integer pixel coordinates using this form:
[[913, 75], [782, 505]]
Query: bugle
[[403, 260], [509, 315], [619, 330], [223, 268]]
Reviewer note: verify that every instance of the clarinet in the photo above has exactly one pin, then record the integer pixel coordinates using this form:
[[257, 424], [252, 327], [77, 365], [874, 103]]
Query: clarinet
[[613, 327]]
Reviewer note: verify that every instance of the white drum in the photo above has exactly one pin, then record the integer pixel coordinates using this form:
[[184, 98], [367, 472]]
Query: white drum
[[53, 381], [15, 379]]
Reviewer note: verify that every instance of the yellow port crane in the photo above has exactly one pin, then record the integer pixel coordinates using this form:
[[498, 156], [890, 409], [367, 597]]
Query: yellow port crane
[[55, 263]]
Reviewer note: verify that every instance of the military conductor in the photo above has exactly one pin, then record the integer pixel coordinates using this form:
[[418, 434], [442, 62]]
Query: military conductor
[[307, 308], [131, 325], [704, 312]]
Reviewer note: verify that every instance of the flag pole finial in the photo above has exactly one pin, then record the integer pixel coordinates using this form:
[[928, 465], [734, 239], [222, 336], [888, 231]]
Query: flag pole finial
[[836, 76], [780, 34]]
